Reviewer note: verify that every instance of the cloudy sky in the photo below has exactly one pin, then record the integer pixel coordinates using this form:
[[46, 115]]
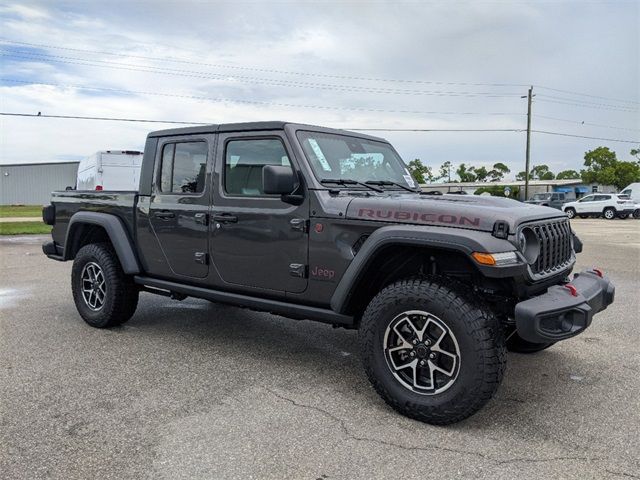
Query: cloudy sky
[[364, 64]]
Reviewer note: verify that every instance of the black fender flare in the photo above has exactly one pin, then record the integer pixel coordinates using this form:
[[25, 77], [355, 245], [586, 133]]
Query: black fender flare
[[445, 238], [117, 234]]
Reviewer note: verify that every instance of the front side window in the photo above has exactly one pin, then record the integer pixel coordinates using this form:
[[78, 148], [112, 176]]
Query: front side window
[[244, 160], [183, 167], [588, 198], [335, 157]]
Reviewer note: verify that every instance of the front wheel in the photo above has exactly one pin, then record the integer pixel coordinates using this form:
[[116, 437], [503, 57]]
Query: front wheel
[[570, 212], [103, 294], [431, 350], [609, 213]]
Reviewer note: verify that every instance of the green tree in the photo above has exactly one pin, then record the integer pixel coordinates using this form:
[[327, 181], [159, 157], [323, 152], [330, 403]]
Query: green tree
[[498, 172], [466, 174], [481, 173], [541, 172], [421, 172], [567, 174], [625, 173], [635, 152], [521, 176], [600, 163], [445, 172]]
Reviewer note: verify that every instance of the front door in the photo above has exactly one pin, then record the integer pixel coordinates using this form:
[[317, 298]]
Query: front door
[[179, 204], [257, 240]]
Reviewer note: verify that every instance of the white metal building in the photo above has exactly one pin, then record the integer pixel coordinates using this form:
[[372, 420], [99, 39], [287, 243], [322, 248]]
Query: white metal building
[[32, 183]]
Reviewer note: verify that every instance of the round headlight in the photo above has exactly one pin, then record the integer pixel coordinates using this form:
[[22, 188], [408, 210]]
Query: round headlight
[[529, 244]]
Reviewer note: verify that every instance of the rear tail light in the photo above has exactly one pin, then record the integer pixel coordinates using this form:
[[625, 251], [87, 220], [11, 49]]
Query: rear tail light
[[98, 187]]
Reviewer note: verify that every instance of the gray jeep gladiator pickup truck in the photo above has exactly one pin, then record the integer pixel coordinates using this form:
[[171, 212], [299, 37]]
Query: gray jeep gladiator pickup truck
[[328, 225]]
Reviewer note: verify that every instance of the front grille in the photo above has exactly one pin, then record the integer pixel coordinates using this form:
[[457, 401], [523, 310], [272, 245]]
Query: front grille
[[556, 252]]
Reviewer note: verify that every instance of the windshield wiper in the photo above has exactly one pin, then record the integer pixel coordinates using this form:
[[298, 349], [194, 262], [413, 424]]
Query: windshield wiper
[[389, 182], [348, 181]]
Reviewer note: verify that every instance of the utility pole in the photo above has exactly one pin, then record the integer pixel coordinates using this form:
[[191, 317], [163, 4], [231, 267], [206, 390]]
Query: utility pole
[[526, 167]]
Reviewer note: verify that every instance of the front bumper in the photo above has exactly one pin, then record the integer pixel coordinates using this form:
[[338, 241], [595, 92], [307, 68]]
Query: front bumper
[[565, 310]]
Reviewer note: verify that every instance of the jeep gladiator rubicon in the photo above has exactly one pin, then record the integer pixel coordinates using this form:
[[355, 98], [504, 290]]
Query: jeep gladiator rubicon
[[328, 225]]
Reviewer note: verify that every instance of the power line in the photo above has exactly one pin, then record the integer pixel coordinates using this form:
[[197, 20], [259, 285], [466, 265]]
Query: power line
[[586, 123], [312, 74], [111, 119], [250, 80], [573, 104], [253, 102], [570, 92], [265, 70], [587, 102], [77, 117], [561, 134]]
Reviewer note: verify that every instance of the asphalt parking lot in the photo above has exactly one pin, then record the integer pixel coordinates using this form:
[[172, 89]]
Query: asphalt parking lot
[[197, 390]]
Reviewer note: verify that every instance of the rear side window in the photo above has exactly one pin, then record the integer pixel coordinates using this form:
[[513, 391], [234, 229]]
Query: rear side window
[[183, 167], [244, 160]]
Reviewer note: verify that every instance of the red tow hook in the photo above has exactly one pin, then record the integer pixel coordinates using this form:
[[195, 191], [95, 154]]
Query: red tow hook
[[598, 272], [572, 289]]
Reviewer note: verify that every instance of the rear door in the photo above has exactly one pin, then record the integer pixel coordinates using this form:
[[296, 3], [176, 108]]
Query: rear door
[[257, 240], [179, 203]]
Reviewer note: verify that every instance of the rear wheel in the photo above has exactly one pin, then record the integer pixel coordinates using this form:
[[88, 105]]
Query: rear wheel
[[431, 350], [609, 213], [103, 294], [571, 212]]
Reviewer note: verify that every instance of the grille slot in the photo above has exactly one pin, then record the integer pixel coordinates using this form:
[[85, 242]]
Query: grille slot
[[555, 247]]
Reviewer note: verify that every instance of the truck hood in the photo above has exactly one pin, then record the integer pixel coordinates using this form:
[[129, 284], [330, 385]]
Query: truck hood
[[461, 211]]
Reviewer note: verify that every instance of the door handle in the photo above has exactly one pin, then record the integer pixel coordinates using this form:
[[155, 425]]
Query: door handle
[[164, 214], [225, 218]]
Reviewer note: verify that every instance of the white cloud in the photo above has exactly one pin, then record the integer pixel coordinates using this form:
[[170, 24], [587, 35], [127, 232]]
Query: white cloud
[[553, 45]]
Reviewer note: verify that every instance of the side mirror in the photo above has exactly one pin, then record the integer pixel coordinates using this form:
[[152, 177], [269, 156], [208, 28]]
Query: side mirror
[[277, 179]]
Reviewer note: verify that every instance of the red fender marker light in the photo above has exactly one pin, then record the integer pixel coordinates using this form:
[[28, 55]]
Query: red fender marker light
[[98, 187], [598, 272], [572, 289], [319, 227]]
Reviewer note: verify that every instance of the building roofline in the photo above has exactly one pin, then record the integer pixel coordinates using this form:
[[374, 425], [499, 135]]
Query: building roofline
[[36, 163]]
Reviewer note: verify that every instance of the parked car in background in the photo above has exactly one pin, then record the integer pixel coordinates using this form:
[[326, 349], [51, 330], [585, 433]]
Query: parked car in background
[[110, 170], [633, 192], [549, 199], [608, 205]]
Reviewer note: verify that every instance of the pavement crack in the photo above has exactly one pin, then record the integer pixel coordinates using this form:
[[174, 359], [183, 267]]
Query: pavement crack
[[621, 474], [425, 448]]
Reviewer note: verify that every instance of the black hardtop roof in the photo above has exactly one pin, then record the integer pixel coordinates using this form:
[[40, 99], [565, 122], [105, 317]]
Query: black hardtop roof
[[252, 127]]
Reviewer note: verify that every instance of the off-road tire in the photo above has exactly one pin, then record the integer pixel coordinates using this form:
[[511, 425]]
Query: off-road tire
[[121, 297], [636, 213], [478, 333], [571, 212], [609, 213], [515, 343]]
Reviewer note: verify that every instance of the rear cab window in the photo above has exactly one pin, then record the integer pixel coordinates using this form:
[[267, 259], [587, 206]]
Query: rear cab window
[[183, 168]]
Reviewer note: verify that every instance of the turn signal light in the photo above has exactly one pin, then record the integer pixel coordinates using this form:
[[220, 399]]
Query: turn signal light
[[484, 258], [495, 259]]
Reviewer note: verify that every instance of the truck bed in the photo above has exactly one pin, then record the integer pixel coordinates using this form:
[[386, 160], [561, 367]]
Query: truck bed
[[66, 203]]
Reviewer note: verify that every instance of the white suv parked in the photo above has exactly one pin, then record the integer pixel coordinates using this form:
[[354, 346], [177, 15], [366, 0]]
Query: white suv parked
[[608, 205]]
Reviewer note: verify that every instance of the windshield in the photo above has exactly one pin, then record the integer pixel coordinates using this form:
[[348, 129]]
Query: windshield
[[542, 196], [334, 157]]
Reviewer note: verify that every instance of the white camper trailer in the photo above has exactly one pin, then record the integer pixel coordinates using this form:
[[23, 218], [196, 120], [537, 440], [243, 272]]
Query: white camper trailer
[[110, 170]]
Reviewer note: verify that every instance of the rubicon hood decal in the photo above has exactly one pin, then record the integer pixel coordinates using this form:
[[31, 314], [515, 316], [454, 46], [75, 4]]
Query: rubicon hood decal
[[472, 212]]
